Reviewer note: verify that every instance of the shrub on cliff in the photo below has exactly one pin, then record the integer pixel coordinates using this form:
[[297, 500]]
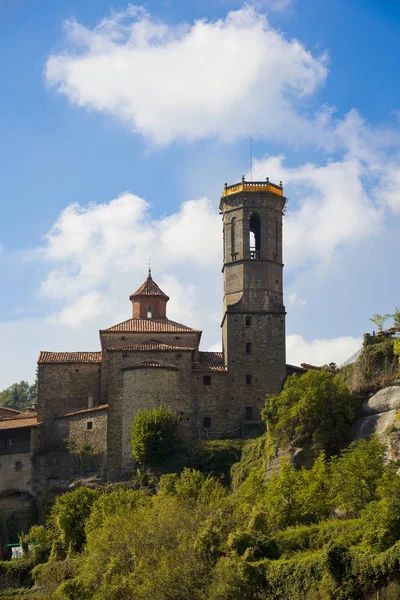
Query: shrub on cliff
[[68, 518], [154, 435], [317, 406]]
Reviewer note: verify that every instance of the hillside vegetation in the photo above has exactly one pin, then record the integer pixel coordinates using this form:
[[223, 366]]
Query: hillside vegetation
[[330, 531]]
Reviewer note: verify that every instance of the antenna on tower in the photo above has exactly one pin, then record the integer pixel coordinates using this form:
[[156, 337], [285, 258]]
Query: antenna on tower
[[251, 162], [149, 264]]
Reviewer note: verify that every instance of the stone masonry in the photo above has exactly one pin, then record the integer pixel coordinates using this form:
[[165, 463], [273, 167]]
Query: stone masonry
[[88, 400]]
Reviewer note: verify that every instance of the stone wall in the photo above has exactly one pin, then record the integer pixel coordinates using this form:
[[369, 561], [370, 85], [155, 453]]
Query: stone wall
[[124, 339], [84, 431], [16, 472], [65, 388], [134, 388]]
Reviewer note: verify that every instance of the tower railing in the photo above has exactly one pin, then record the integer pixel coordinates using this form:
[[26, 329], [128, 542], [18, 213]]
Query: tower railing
[[253, 186]]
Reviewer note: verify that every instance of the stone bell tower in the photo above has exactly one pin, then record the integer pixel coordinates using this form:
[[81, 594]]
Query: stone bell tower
[[254, 314]]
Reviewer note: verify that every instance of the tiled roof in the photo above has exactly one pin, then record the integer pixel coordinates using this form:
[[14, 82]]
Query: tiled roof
[[151, 325], [84, 411], [149, 288], [69, 357], [17, 423], [210, 361], [12, 411], [20, 415], [151, 347], [150, 364]]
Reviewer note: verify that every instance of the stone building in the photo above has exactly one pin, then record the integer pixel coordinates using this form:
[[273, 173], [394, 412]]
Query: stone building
[[88, 400]]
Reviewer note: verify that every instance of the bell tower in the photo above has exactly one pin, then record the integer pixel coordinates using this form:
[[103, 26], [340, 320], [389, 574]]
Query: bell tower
[[253, 322]]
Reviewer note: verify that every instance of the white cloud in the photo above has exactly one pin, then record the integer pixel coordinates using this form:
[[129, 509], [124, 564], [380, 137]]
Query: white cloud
[[389, 190], [295, 300], [92, 250], [227, 78], [320, 352], [86, 308], [88, 247], [330, 206]]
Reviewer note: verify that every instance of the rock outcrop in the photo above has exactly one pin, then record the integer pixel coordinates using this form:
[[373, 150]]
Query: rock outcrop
[[381, 417]]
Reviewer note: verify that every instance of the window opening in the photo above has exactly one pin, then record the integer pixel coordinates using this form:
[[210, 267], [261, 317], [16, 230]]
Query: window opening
[[247, 321], [249, 413], [207, 379], [89, 425], [207, 422], [249, 379], [18, 465], [149, 312], [255, 237], [233, 239], [248, 347]]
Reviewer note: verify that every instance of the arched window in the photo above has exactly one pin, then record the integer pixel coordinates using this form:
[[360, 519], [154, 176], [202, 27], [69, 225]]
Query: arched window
[[233, 238], [149, 312], [255, 236]]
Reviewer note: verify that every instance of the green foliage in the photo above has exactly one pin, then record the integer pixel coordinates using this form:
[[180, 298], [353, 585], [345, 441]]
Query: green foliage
[[16, 573], [68, 518], [316, 406], [39, 540], [396, 317], [117, 500], [396, 347], [252, 460], [356, 474], [380, 320], [376, 366], [154, 435], [235, 578], [213, 456], [19, 395], [50, 575]]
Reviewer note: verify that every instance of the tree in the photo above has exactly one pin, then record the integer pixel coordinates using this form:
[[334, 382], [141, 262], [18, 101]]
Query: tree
[[396, 317], [317, 406], [154, 435], [68, 517], [380, 320], [356, 474], [18, 395], [381, 518]]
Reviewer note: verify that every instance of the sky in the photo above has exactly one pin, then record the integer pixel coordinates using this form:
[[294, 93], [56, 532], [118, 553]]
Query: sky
[[120, 124]]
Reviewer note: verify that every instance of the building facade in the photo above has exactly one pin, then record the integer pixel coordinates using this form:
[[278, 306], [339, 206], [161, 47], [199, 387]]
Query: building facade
[[88, 400]]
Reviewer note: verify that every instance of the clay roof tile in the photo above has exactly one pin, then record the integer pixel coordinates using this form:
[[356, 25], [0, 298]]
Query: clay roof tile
[[149, 288]]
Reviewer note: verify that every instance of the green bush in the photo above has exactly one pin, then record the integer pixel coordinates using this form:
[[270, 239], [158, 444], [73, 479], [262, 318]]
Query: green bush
[[39, 541], [68, 518], [317, 406], [48, 576], [376, 366], [356, 474], [154, 435], [116, 500], [16, 573], [213, 456]]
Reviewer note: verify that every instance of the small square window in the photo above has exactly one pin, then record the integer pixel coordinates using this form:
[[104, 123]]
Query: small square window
[[89, 425], [207, 379], [249, 413], [18, 465], [248, 347], [249, 379], [247, 321], [207, 422]]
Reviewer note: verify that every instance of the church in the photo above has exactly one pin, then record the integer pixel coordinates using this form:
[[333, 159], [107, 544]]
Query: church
[[88, 400]]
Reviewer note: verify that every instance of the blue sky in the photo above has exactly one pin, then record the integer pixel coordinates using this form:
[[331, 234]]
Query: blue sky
[[119, 126]]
